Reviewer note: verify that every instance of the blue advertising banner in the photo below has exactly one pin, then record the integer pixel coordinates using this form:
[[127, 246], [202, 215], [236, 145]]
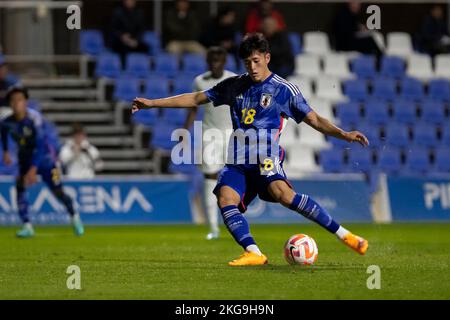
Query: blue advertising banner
[[104, 201], [345, 199], [419, 198]]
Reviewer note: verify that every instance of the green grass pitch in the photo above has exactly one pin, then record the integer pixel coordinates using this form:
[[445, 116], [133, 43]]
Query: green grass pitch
[[175, 262]]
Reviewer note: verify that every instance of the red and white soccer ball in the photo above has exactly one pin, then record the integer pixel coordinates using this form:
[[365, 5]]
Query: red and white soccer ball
[[301, 249]]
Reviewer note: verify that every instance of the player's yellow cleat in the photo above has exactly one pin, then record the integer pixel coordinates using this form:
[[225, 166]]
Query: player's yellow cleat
[[249, 259], [355, 242]]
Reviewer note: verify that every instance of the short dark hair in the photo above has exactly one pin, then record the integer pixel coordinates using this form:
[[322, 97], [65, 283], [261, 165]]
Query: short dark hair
[[253, 42], [216, 51], [16, 89], [77, 128]]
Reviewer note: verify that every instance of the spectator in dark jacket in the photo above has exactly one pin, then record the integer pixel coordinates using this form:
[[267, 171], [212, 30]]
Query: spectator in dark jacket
[[281, 56], [222, 31], [350, 34], [433, 35], [182, 29], [127, 26]]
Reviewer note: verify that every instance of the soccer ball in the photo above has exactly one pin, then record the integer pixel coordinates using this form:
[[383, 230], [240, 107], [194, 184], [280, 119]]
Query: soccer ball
[[301, 249]]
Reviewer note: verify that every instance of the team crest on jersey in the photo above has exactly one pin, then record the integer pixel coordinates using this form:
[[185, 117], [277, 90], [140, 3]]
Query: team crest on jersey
[[266, 99]]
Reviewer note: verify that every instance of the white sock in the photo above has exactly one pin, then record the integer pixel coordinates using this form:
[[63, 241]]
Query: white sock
[[212, 210], [341, 232], [75, 217], [27, 225], [253, 248]]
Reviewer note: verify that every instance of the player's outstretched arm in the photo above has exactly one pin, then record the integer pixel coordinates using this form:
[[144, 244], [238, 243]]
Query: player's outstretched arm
[[186, 100], [326, 127]]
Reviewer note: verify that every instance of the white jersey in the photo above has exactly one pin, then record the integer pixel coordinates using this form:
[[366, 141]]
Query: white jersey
[[214, 117], [214, 151]]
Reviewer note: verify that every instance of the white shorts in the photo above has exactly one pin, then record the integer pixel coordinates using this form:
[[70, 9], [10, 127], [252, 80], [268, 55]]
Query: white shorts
[[214, 153]]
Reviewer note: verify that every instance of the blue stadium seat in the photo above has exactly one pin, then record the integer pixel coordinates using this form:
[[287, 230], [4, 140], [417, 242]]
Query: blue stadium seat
[[417, 161], [183, 84], [194, 63], [126, 88], [405, 111], [360, 160], [349, 113], [152, 39], [166, 64], [91, 42], [147, 117], [108, 65], [433, 112], [412, 89], [392, 67], [174, 116], [442, 160], [439, 89], [296, 43], [397, 135], [389, 160], [376, 112], [356, 89], [364, 66], [332, 160], [425, 135], [161, 136], [156, 86], [137, 65], [445, 137], [372, 132], [384, 89]]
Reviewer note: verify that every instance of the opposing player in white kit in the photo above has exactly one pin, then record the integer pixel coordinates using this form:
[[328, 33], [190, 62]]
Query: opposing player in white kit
[[213, 118]]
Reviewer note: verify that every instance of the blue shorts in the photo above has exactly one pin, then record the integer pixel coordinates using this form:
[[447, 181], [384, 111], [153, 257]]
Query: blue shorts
[[250, 181], [49, 173]]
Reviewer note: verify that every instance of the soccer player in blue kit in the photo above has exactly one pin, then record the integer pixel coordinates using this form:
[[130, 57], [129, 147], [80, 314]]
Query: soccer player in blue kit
[[260, 100], [35, 156]]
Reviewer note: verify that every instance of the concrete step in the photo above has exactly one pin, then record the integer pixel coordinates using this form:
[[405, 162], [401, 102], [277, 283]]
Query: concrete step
[[80, 117], [57, 82], [42, 94], [127, 166], [66, 130], [124, 153], [112, 141], [67, 106]]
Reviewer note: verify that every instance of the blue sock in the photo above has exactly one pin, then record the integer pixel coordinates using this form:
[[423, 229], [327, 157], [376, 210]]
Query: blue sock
[[22, 203], [237, 225], [311, 210]]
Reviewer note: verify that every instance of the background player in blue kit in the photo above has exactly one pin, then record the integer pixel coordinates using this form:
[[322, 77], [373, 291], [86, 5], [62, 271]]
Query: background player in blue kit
[[35, 156], [260, 103]]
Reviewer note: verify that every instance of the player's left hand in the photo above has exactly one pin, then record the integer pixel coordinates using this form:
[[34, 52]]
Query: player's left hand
[[356, 136], [30, 177]]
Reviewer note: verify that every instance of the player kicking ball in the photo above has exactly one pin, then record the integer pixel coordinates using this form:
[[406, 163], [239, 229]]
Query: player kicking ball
[[213, 119], [260, 100], [35, 156]]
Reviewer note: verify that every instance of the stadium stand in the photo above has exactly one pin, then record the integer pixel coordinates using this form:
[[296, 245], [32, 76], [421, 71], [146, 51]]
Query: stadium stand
[[402, 106]]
